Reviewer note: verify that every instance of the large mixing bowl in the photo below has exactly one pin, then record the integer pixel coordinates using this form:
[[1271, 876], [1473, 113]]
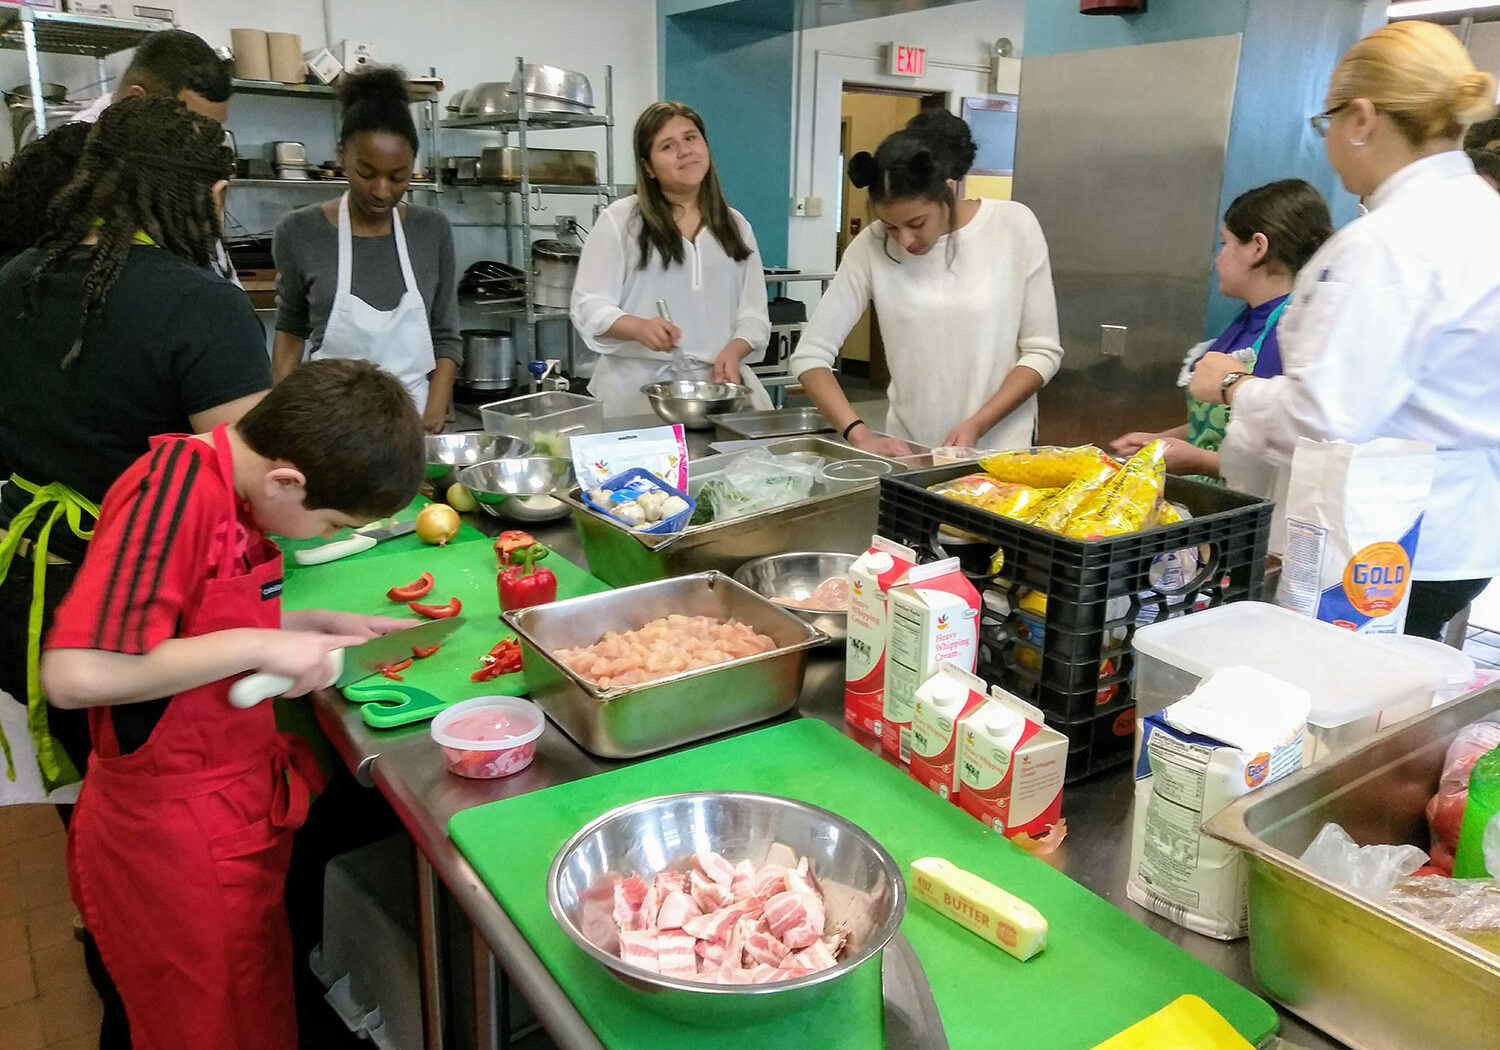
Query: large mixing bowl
[[522, 488], [864, 894], [796, 575], [447, 454], [693, 402]]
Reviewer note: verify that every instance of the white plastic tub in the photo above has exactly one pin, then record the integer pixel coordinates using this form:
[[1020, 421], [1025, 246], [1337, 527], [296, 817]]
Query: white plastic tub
[[488, 736]]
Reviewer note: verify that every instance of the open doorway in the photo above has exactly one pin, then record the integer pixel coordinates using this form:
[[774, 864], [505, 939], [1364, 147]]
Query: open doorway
[[869, 114]]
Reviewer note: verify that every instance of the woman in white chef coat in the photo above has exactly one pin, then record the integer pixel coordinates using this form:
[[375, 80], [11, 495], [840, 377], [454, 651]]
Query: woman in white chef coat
[[367, 276], [678, 242], [1393, 328], [963, 289]]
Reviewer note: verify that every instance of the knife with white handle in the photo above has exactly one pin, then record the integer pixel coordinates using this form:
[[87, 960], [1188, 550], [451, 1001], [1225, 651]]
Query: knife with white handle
[[360, 541]]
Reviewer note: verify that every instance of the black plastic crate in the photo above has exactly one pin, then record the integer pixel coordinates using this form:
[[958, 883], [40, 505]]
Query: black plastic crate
[[1097, 592]]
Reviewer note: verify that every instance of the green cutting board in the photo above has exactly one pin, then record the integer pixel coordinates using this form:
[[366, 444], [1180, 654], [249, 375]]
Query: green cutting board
[[463, 570], [400, 545], [1101, 971]]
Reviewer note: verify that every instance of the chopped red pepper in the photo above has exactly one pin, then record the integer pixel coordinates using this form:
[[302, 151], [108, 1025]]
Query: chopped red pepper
[[504, 658], [393, 676], [415, 589], [399, 665], [512, 540], [422, 654], [523, 584], [437, 612]]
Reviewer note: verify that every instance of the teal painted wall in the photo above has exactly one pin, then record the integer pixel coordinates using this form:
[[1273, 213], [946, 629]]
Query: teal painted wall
[[1056, 27]]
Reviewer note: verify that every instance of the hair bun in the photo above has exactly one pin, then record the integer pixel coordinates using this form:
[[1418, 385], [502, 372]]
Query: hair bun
[[863, 170], [374, 83], [1474, 97], [922, 166]]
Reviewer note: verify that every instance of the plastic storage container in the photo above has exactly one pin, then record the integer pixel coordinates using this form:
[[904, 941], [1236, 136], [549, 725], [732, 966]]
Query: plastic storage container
[[1358, 685], [488, 736], [548, 420], [1097, 591], [1453, 670], [638, 480]]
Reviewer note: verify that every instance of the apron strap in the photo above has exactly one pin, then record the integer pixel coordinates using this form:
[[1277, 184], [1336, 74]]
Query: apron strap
[[408, 275], [346, 249], [1271, 320]]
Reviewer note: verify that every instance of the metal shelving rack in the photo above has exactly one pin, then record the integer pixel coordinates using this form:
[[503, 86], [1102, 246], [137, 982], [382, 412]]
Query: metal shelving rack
[[58, 33]]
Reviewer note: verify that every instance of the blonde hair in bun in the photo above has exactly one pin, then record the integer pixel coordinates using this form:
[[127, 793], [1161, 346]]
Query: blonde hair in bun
[[1419, 75]]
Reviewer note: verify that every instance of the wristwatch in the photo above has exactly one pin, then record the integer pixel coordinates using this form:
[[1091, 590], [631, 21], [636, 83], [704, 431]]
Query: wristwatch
[[1227, 382]]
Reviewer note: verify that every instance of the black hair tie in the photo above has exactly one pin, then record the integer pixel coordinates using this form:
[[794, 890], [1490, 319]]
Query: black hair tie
[[863, 170]]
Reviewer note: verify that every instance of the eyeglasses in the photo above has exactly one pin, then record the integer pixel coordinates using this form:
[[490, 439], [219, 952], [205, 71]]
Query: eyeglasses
[[1320, 122]]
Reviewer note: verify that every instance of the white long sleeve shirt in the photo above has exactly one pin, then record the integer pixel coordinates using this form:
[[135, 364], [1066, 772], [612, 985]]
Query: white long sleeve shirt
[[712, 298], [1393, 330], [952, 332]]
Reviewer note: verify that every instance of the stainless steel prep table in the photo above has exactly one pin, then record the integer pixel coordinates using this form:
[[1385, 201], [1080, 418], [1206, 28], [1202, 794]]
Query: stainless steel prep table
[[408, 769]]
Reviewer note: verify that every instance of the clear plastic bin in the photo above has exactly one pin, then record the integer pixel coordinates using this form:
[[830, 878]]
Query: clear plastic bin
[[1358, 686], [548, 420]]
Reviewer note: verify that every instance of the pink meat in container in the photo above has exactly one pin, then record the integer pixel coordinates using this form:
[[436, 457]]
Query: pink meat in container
[[488, 736]]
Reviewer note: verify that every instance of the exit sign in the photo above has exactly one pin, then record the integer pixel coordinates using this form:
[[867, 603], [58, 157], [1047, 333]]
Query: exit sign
[[904, 60]]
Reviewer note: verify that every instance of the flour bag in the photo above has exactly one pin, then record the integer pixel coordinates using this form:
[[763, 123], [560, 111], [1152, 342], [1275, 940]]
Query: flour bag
[[1353, 517]]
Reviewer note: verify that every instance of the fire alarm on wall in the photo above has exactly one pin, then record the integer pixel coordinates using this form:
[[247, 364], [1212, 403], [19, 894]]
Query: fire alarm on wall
[[1112, 7]]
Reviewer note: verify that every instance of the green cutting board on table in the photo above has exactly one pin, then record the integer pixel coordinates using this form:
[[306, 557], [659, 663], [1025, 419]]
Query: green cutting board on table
[[1101, 971], [465, 570], [400, 545]]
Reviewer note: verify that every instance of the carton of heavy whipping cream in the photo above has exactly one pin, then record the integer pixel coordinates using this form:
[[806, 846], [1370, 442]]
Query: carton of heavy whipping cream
[[1011, 766], [1241, 728], [941, 701], [1353, 516], [871, 578], [934, 617]]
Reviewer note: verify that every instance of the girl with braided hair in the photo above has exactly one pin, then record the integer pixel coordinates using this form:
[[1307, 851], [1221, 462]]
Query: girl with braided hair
[[113, 329], [963, 289]]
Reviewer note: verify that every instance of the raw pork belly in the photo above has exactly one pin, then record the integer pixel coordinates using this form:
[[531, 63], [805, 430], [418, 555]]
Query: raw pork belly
[[663, 647]]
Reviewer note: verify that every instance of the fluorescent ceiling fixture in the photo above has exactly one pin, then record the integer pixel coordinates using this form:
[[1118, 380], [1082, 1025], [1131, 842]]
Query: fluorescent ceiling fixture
[[1418, 8]]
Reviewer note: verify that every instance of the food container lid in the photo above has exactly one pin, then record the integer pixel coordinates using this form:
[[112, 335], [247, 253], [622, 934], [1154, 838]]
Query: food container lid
[[1452, 668], [525, 723], [1348, 676]]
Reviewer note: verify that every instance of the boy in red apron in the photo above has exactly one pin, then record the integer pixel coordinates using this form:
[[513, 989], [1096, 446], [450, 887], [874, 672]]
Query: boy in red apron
[[178, 849]]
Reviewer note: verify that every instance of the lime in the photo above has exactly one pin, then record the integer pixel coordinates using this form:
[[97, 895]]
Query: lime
[[460, 498]]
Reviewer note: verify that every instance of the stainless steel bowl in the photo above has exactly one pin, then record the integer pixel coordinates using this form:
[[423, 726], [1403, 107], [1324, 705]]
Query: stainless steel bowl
[[490, 98], [864, 894], [796, 575], [522, 488], [449, 453], [693, 402], [555, 83]]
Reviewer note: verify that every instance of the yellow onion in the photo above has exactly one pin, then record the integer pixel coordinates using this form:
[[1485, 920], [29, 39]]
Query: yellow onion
[[437, 524]]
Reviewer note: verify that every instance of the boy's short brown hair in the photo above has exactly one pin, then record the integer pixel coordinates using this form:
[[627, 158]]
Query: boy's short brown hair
[[350, 428]]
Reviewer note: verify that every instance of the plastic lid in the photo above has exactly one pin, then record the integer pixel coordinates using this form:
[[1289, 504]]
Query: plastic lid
[[997, 719], [1454, 667], [527, 723], [879, 562], [1348, 675], [947, 690]]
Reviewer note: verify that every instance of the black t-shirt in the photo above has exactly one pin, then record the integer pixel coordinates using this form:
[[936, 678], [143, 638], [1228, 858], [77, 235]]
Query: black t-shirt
[[170, 340]]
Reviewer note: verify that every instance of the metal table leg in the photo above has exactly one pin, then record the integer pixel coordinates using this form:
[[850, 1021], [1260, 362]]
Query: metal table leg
[[484, 974], [429, 948]]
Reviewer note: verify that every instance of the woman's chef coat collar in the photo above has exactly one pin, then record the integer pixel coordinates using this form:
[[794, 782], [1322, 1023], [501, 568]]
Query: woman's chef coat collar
[[1445, 165]]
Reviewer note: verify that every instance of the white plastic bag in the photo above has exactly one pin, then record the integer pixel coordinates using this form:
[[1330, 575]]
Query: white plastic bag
[[1370, 870], [758, 481]]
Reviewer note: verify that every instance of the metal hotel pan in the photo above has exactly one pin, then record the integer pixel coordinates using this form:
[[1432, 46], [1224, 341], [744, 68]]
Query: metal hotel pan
[[1366, 973], [624, 722]]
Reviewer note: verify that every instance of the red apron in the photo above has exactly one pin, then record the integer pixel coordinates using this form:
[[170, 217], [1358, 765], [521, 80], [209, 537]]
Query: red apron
[[178, 852]]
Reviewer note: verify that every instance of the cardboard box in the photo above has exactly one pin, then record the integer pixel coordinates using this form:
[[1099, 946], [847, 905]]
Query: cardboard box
[[322, 65], [934, 617], [942, 701], [883, 566], [1011, 766]]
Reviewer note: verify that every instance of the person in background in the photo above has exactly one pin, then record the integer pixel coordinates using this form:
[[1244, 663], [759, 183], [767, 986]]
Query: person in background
[[177, 64], [1267, 235], [963, 290], [676, 241], [1484, 134], [179, 843], [1393, 328], [1486, 165], [367, 275], [30, 181]]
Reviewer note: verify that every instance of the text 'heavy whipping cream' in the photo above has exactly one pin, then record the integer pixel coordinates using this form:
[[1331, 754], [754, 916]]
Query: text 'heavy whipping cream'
[[871, 577], [1011, 766], [934, 617], [941, 701]]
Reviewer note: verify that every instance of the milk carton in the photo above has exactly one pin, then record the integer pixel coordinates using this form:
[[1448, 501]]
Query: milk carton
[[1239, 729], [934, 617], [941, 701], [871, 578], [1011, 766]]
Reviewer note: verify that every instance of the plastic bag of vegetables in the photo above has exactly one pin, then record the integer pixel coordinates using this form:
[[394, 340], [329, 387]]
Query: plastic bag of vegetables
[[758, 481]]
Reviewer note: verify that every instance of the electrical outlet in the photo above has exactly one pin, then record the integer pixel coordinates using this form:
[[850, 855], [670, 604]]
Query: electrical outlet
[[807, 206], [1112, 340], [799, 205], [565, 224]]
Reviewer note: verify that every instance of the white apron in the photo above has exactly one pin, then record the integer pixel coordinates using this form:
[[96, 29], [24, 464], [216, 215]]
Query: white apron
[[617, 381], [399, 340]]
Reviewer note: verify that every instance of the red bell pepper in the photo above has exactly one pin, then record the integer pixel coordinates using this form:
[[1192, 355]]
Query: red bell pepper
[[437, 612], [415, 589], [510, 541], [504, 658], [523, 584], [423, 653], [392, 671]]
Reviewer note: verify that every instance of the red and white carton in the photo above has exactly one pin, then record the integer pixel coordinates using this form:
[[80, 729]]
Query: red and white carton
[[934, 617], [871, 578], [1011, 766], [941, 701]]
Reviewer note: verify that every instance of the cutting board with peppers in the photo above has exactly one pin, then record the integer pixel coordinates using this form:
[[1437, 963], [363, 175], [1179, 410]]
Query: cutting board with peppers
[[463, 570], [384, 549]]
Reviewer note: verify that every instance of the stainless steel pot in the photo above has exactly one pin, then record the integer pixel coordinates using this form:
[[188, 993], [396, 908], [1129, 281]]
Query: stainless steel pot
[[554, 84], [554, 264], [489, 360]]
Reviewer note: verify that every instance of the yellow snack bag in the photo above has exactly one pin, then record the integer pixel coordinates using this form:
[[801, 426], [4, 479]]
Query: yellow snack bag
[[1048, 467], [1054, 513], [1128, 502], [997, 497], [1166, 513]]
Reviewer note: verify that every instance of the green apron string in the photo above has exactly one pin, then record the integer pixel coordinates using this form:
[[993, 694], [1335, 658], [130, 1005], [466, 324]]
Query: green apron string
[[55, 766]]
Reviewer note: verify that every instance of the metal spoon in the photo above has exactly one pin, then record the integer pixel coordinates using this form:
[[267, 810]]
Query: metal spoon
[[680, 366]]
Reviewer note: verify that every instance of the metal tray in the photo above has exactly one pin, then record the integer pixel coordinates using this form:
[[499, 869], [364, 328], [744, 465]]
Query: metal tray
[[1367, 974], [637, 720], [779, 423]]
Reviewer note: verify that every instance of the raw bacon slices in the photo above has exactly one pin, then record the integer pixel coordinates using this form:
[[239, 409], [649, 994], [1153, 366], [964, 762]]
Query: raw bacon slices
[[727, 923]]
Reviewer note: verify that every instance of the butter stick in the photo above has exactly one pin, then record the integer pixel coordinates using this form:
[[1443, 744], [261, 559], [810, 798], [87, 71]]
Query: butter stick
[[981, 907]]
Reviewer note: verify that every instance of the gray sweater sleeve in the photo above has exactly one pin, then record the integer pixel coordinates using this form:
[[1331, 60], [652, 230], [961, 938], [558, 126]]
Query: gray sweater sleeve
[[288, 248], [442, 310]]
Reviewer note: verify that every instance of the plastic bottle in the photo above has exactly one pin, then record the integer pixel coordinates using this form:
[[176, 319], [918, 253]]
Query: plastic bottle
[[1481, 808]]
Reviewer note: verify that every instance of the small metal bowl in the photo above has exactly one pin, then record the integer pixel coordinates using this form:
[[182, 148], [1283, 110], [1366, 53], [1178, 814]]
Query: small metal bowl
[[864, 894], [447, 454], [693, 402], [520, 488], [796, 575]]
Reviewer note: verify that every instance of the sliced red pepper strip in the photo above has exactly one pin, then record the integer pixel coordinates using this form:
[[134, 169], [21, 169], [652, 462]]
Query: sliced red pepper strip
[[484, 674], [437, 612], [399, 665], [415, 589], [393, 676], [420, 653]]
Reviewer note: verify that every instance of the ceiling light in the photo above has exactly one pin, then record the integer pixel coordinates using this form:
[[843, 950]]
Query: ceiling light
[[1420, 8]]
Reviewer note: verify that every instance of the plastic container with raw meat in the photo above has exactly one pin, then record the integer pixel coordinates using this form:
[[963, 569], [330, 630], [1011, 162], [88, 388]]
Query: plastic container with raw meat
[[488, 736]]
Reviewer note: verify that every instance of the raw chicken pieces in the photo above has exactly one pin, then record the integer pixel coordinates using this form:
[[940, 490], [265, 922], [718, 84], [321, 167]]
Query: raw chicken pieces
[[832, 595], [666, 646], [726, 923]]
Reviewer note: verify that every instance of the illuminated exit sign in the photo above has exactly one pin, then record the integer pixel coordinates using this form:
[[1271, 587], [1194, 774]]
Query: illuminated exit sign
[[904, 60]]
